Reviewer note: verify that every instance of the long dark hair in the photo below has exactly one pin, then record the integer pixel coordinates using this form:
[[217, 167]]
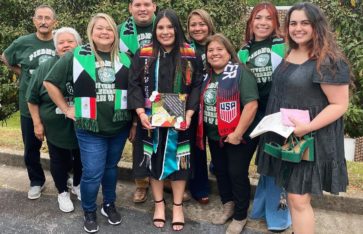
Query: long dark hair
[[180, 38], [322, 46]]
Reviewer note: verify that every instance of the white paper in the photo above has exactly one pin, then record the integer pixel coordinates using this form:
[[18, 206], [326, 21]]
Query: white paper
[[272, 123]]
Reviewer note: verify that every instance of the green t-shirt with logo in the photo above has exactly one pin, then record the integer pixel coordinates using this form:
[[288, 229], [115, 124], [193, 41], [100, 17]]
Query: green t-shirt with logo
[[248, 92], [259, 62], [105, 91], [58, 129], [28, 52], [144, 34]]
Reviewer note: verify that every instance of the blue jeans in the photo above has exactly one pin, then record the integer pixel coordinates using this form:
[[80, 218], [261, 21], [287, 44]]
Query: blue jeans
[[99, 156], [265, 205]]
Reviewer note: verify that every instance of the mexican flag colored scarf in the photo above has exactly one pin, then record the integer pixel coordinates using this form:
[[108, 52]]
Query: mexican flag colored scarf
[[228, 102], [128, 36], [177, 148], [84, 80]]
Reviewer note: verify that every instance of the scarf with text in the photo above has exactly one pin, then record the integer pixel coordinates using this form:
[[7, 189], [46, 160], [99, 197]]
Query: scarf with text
[[227, 105], [128, 36], [85, 96]]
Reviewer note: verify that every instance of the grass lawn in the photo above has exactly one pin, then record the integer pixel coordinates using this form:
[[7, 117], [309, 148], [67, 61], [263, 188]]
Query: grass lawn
[[10, 137]]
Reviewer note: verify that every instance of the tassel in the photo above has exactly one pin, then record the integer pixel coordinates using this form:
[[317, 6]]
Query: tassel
[[283, 201], [148, 162], [87, 124], [183, 163]]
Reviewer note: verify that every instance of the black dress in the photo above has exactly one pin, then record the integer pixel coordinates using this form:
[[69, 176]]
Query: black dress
[[298, 87], [136, 97]]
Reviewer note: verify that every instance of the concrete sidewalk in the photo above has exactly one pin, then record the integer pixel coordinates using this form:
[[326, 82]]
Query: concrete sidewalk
[[333, 214]]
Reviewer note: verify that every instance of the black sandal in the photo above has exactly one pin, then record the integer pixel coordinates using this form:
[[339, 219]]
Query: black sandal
[[158, 219], [178, 223]]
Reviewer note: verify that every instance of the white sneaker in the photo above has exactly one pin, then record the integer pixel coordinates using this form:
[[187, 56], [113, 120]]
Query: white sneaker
[[65, 203], [76, 190], [70, 182], [35, 192]]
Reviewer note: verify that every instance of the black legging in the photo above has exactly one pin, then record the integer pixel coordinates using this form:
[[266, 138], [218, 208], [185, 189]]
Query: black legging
[[231, 163], [63, 161]]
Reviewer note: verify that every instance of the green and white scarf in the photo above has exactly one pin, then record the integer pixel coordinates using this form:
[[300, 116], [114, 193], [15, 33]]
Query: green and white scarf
[[128, 36], [84, 80]]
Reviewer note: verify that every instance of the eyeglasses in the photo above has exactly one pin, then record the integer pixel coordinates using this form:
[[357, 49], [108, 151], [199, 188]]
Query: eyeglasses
[[41, 18]]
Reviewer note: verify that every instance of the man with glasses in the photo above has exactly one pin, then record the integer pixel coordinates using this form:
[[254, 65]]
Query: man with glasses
[[22, 57]]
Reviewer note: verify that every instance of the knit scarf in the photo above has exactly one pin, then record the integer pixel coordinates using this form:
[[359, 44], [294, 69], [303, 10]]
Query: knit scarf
[[277, 52], [177, 149], [128, 36], [84, 80], [228, 102]]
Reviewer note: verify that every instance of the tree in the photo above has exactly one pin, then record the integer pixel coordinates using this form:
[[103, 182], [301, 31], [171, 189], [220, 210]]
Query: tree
[[346, 21], [229, 18]]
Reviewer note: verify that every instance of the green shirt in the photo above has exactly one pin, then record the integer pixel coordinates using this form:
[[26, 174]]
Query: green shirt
[[200, 51], [28, 52], [105, 91], [248, 92], [58, 129], [259, 62], [144, 34]]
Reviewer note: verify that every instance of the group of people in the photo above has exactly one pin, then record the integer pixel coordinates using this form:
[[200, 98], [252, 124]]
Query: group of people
[[88, 99]]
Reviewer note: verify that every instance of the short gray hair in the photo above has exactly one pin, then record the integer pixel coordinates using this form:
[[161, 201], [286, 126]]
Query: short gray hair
[[66, 30], [46, 6]]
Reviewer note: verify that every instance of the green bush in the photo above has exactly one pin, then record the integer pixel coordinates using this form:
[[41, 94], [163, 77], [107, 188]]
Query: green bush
[[76, 13], [229, 17], [347, 23]]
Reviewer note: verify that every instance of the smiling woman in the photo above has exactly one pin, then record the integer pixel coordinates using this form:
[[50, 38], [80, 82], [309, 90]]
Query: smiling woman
[[200, 26], [165, 34], [99, 73], [50, 122], [168, 65], [228, 105], [263, 51], [314, 76]]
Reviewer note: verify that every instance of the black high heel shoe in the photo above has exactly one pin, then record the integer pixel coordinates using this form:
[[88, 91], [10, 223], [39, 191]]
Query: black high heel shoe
[[159, 219], [178, 223]]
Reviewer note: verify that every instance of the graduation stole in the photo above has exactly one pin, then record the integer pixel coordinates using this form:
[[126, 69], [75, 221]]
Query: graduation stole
[[84, 80], [177, 149], [228, 102], [277, 52], [128, 36]]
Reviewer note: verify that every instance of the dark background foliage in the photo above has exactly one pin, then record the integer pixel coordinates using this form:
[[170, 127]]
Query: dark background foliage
[[229, 18]]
